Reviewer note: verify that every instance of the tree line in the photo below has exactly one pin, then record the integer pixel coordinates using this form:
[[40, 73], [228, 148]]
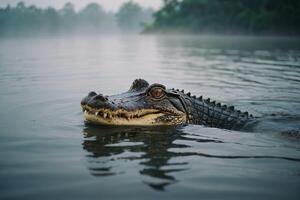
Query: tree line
[[228, 16], [23, 19]]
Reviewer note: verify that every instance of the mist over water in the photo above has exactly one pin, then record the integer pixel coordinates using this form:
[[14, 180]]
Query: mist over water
[[29, 20], [47, 151]]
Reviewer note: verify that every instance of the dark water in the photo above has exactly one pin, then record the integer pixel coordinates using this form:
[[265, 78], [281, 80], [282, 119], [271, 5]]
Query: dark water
[[47, 152]]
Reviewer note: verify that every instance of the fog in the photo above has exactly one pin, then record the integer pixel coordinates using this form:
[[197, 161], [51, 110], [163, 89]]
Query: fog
[[109, 5], [172, 16], [23, 19]]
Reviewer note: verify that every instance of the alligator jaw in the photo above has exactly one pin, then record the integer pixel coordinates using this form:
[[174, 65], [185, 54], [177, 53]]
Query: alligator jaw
[[143, 117]]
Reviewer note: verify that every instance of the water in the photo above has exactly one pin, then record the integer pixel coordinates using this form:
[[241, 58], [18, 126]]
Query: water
[[47, 151]]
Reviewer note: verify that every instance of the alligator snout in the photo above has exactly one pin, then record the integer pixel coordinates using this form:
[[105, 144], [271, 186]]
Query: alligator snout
[[93, 96], [100, 97], [95, 100], [86, 99]]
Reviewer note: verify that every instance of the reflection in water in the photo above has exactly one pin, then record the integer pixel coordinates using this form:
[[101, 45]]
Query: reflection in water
[[153, 148], [152, 142]]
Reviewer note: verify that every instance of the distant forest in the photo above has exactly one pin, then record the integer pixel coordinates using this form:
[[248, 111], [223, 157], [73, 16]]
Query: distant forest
[[23, 19], [228, 16], [193, 16]]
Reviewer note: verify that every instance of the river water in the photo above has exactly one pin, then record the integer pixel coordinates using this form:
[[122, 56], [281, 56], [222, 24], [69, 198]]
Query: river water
[[48, 152]]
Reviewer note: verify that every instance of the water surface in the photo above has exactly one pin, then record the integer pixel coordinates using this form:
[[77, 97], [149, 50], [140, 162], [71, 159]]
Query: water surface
[[48, 152]]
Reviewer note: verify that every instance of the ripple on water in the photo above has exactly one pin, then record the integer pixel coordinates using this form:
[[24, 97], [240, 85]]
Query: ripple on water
[[48, 151]]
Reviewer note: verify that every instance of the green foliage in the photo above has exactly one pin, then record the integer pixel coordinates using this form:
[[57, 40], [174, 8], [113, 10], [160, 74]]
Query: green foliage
[[93, 16], [229, 16], [22, 19], [131, 16]]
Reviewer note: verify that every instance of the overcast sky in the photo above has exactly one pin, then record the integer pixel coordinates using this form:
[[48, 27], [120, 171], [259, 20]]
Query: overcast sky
[[109, 5]]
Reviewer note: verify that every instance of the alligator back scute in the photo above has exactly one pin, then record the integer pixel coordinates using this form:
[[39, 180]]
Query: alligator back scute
[[214, 115]]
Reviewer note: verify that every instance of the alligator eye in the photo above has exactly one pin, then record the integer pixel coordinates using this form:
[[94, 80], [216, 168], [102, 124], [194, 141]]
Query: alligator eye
[[157, 93]]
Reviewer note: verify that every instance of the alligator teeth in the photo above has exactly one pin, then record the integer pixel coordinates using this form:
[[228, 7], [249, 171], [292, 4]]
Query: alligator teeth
[[85, 112], [104, 115], [96, 113]]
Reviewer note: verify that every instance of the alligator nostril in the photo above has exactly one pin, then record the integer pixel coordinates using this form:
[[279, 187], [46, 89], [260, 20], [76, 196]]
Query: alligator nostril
[[91, 94], [100, 97]]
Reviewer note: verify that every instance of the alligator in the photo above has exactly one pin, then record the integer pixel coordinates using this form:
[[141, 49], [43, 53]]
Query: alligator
[[155, 105]]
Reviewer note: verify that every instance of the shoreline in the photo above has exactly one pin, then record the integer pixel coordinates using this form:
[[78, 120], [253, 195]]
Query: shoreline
[[219, 34]]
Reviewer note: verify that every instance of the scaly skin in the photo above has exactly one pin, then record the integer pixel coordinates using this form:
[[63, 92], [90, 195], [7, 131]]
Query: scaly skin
[[153, 105], [209, 113]]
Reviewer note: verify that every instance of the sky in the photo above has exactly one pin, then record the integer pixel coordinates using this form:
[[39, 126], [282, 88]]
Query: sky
[[109, 5]]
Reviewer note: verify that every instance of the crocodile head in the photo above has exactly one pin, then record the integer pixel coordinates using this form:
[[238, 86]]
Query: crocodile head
[[142, 105]]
